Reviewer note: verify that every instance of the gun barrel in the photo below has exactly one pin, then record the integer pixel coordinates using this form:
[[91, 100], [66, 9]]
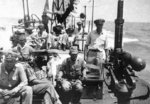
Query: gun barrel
[[119, 26]]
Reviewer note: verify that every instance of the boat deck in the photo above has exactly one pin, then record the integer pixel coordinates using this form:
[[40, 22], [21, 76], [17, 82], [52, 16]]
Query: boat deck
[[108, 98]]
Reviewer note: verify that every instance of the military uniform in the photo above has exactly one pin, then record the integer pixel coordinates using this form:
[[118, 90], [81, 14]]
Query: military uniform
[[97, 40], [72, 70], [71, 85], [13, 83], [41, 86]]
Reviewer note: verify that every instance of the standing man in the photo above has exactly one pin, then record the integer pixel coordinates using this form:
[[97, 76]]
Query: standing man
[[78, 35], [45, 19], [97, 39], [69, 78], [13, 81]]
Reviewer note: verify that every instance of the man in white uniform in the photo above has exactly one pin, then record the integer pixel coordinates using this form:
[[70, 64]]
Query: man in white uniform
[[96, 39]]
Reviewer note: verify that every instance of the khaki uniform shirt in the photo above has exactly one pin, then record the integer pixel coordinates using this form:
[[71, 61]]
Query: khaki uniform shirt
[[15, 79], [72, 70]]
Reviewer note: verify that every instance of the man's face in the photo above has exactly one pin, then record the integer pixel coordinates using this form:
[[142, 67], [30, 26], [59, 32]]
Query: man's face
[[9, 64], [99, 28], [22, 42], [10, 61], [73, 56]]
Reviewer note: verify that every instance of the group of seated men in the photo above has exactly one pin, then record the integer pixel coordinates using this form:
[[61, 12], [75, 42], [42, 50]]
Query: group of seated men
[[32, 75], [18, 77], [38, 38]]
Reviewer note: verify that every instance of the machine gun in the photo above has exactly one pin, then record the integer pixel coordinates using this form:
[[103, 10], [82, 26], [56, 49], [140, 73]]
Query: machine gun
[[121, 67], [120, 77]]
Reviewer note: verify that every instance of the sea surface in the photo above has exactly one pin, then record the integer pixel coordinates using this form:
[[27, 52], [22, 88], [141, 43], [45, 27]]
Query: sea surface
[[136, 39]]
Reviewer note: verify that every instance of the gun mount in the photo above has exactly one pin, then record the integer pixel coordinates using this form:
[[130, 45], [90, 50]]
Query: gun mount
[[121, 65], [119, 26]]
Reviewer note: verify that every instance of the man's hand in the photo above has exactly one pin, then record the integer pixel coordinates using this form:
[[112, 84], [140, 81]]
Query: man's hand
[[8, 92], [84, 73], [66, 85]]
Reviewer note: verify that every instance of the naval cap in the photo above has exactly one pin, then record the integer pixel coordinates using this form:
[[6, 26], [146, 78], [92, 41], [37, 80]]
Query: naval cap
[[99, 21]]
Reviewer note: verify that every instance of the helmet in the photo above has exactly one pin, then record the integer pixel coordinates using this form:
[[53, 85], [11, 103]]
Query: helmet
[[137, 63]]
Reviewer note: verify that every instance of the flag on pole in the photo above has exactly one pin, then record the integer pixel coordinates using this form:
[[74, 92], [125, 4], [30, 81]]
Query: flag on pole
[[46, 7]]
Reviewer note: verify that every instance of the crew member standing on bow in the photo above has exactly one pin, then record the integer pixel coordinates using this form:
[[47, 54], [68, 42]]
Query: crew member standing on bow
[[97, 39], [69, 78]]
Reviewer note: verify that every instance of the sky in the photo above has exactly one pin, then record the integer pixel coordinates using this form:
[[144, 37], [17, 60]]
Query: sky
[[134, 10]]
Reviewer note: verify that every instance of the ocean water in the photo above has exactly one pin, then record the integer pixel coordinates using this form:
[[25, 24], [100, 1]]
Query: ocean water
[[6, 31], [136, 39]]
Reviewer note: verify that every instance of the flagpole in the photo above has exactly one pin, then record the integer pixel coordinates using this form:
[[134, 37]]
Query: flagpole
[[92, 15], [23, 9], [28, 10], [83, 25]]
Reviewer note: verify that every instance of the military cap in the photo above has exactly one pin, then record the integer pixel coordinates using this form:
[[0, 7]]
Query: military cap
[[73, 50], [20, 31], [99, 21], [10, 55]]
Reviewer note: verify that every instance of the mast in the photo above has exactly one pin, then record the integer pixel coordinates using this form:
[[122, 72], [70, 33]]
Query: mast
[[28, 10], [26, 13], [83, 26], [85, 13], [92, 15], [23, 9]]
